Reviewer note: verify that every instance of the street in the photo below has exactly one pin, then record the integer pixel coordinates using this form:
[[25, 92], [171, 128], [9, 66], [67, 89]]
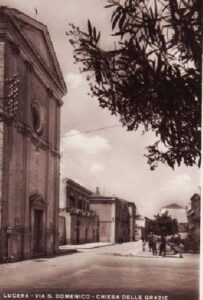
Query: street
[[116, 269]]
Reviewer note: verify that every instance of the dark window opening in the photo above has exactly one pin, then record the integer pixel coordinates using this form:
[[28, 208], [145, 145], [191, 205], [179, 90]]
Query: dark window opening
[[37, 118]]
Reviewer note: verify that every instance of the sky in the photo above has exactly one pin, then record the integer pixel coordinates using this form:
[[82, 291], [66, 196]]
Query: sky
[[112, 158]]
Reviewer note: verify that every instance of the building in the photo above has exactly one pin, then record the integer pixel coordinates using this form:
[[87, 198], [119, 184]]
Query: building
[[193, 216], [114, 218], [31, 89], [81, 223], [179, 213]]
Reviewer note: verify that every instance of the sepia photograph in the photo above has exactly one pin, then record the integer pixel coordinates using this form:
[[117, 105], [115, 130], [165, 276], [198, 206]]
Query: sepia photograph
[[100, 149]]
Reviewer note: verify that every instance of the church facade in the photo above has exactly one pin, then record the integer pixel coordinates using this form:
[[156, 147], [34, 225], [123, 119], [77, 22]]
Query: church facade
[[31, 89]]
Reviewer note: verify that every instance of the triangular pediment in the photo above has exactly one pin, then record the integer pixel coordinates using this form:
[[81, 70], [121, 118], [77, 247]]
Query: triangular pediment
[[36, 35], [35, 198], [39, 44]]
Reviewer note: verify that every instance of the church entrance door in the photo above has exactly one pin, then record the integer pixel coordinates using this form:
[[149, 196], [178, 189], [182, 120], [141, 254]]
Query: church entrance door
[[38, 232]]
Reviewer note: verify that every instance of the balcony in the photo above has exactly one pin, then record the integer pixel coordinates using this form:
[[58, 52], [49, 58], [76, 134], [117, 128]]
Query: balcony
[[79, 212]]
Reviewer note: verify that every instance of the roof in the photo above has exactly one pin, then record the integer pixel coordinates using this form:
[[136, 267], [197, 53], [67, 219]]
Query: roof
[[74, 184], [110, 199], [173, 206], [176, 211], [36, 37], [100, 197]]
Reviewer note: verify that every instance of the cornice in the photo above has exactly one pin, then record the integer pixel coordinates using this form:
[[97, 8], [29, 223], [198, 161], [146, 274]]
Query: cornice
[[34, 67], [35, 139], [37, 200], [71, 184], [12, 23], [21, 46]]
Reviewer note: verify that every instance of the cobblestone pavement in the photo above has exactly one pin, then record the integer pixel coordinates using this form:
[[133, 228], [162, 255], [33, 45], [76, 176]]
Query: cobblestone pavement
[[117, 269]]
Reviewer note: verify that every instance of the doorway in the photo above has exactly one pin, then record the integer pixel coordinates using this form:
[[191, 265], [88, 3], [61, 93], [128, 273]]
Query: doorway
[[38, 232], [78, 235]]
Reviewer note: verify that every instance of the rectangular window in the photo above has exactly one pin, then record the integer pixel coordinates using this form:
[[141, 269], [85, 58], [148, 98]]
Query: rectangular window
[[72, 201], [80, 203]]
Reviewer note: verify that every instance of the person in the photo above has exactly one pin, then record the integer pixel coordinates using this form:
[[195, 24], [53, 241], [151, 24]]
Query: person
[[176, 245], [150, 242], [162, 247], [143, 244], [153, 245], [171, 243], [158, 241]]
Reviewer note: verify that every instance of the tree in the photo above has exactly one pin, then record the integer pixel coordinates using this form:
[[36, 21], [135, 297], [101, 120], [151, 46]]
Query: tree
[[152, 77], [162, 225]]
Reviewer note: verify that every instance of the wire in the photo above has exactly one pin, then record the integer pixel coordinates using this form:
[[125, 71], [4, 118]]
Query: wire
[[67, 155], [78, 171], [90, 131]]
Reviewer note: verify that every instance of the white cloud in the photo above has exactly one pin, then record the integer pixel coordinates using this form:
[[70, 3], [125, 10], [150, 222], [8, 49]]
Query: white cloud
[[96, 167], [73, 80], [75, 140]]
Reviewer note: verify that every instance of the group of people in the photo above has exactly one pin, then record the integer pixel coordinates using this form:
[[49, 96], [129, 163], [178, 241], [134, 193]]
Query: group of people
[[157, 245]]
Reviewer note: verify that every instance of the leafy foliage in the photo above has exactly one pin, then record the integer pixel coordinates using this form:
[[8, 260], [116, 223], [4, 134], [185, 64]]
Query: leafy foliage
[[162, 225], [153, 75]]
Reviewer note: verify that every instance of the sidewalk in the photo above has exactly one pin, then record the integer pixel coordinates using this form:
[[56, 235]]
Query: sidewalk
[[83, 247], [146, 254], [126, 250]]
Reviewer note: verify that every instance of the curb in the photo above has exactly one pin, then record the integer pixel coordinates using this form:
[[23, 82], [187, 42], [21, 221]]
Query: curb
[[93, 247]]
